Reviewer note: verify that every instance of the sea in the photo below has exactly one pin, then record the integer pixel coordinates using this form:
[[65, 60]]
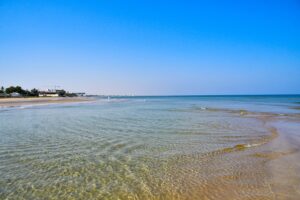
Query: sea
[[153, 147]]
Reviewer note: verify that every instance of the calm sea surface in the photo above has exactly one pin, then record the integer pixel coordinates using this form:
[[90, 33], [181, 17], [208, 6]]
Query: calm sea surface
[[185, 147]]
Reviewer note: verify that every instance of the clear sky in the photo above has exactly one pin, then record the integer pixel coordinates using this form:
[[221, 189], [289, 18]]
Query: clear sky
[[152, 47]]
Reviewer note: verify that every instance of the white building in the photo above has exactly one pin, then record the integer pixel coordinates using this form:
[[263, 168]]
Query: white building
[[48, 94], [15, 94]]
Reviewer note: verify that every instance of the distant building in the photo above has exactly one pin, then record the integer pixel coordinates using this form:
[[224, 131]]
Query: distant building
[[15, 94], [48, 93]]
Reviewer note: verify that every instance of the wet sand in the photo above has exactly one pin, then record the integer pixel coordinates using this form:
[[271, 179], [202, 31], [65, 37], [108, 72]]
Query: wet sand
[[15, 102], [264, 168]]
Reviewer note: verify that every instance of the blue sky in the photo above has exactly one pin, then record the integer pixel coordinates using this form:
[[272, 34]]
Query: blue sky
[[152, 47]]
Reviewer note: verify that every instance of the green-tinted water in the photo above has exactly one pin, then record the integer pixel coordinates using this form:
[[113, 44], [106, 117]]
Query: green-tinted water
[[140, 148]]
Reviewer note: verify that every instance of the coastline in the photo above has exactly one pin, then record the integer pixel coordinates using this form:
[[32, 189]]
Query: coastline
[[15, 102]]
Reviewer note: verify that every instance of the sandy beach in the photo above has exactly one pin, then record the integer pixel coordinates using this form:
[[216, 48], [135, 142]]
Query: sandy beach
[[15, 102]]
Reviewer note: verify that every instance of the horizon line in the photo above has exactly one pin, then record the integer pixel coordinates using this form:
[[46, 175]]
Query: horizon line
[[192, 95]]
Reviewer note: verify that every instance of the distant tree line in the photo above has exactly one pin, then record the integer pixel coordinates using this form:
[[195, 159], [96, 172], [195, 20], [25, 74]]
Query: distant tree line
[[63, 93], [30, 93]]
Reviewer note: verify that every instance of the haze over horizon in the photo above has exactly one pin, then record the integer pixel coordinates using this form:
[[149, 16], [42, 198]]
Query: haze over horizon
[[152, 47]]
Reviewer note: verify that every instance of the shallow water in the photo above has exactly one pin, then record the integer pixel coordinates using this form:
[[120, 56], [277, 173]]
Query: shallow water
[[206, 147]]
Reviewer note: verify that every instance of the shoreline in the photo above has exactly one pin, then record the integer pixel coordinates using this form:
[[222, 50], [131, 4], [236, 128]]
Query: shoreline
[[32, 101], [248, 163]]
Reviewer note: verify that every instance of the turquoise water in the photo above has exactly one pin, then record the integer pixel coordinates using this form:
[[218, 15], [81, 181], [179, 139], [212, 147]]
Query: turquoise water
[[143, 147]]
